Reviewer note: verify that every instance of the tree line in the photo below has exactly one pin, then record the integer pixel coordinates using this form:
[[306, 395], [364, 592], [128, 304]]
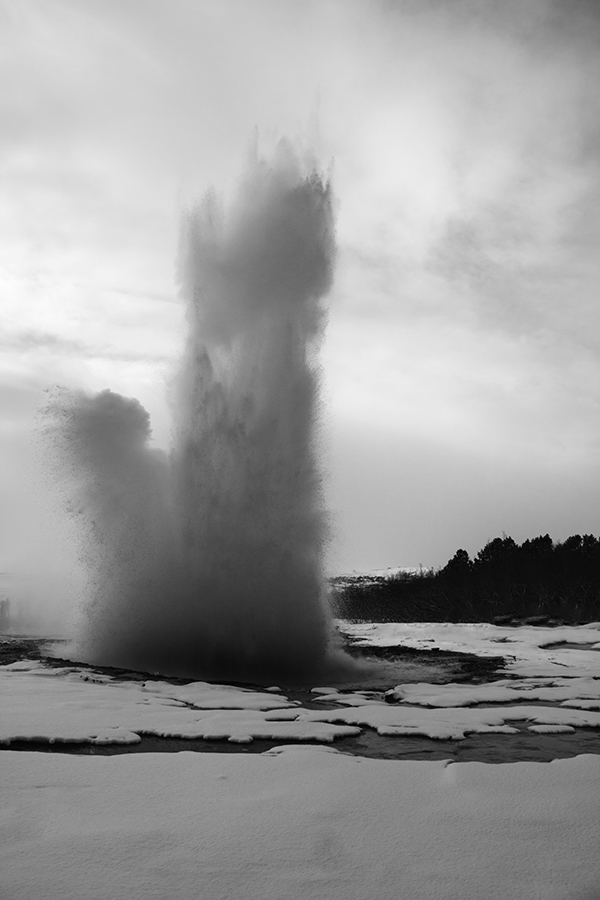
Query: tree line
[[505, 581]]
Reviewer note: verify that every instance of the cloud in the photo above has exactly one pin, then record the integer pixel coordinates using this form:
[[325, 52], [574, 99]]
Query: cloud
[[403, 499], [30, 341], [464, 138]]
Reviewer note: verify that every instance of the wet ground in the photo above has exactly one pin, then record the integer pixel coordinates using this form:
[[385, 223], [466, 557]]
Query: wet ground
[[391, 666]]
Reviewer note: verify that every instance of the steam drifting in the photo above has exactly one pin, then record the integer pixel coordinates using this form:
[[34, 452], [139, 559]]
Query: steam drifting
[[209, 562]]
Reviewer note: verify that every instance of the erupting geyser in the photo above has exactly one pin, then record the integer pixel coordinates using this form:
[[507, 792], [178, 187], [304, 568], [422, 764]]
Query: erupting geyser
[[209, 562]]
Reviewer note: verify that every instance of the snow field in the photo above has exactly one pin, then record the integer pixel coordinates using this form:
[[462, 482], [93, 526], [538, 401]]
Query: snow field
[[299, 823]]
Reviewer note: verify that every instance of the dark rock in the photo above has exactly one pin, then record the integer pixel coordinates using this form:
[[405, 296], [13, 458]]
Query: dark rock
[[391, 696]]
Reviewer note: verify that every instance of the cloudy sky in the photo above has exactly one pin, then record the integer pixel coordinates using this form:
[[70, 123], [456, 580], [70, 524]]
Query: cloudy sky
[[461, 364]]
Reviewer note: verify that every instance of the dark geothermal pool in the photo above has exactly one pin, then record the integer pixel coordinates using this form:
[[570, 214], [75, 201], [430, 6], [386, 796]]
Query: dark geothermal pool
[[391, 666]]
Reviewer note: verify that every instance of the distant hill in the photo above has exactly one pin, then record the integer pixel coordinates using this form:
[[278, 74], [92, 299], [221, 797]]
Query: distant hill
[[375, 576]]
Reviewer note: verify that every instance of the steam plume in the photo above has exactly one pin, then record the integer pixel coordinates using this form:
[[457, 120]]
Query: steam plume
[[209, 562]]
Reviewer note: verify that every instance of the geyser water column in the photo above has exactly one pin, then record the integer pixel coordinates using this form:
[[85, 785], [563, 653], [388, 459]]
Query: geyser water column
[[247, 480], [210, 563]]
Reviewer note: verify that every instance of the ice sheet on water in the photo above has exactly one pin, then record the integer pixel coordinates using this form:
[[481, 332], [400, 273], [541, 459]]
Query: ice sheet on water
[[66, 705], [551, 729], [571, 691], [448, 723], [73, 703], [204, 695], [69, 708], [528, 650]]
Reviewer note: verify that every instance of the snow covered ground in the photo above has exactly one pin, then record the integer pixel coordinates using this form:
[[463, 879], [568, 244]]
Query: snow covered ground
[[301, 824], [304, 821], [529, 650]]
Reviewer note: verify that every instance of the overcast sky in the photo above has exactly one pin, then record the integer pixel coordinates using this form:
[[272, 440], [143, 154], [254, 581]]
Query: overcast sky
[[461, 364]]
